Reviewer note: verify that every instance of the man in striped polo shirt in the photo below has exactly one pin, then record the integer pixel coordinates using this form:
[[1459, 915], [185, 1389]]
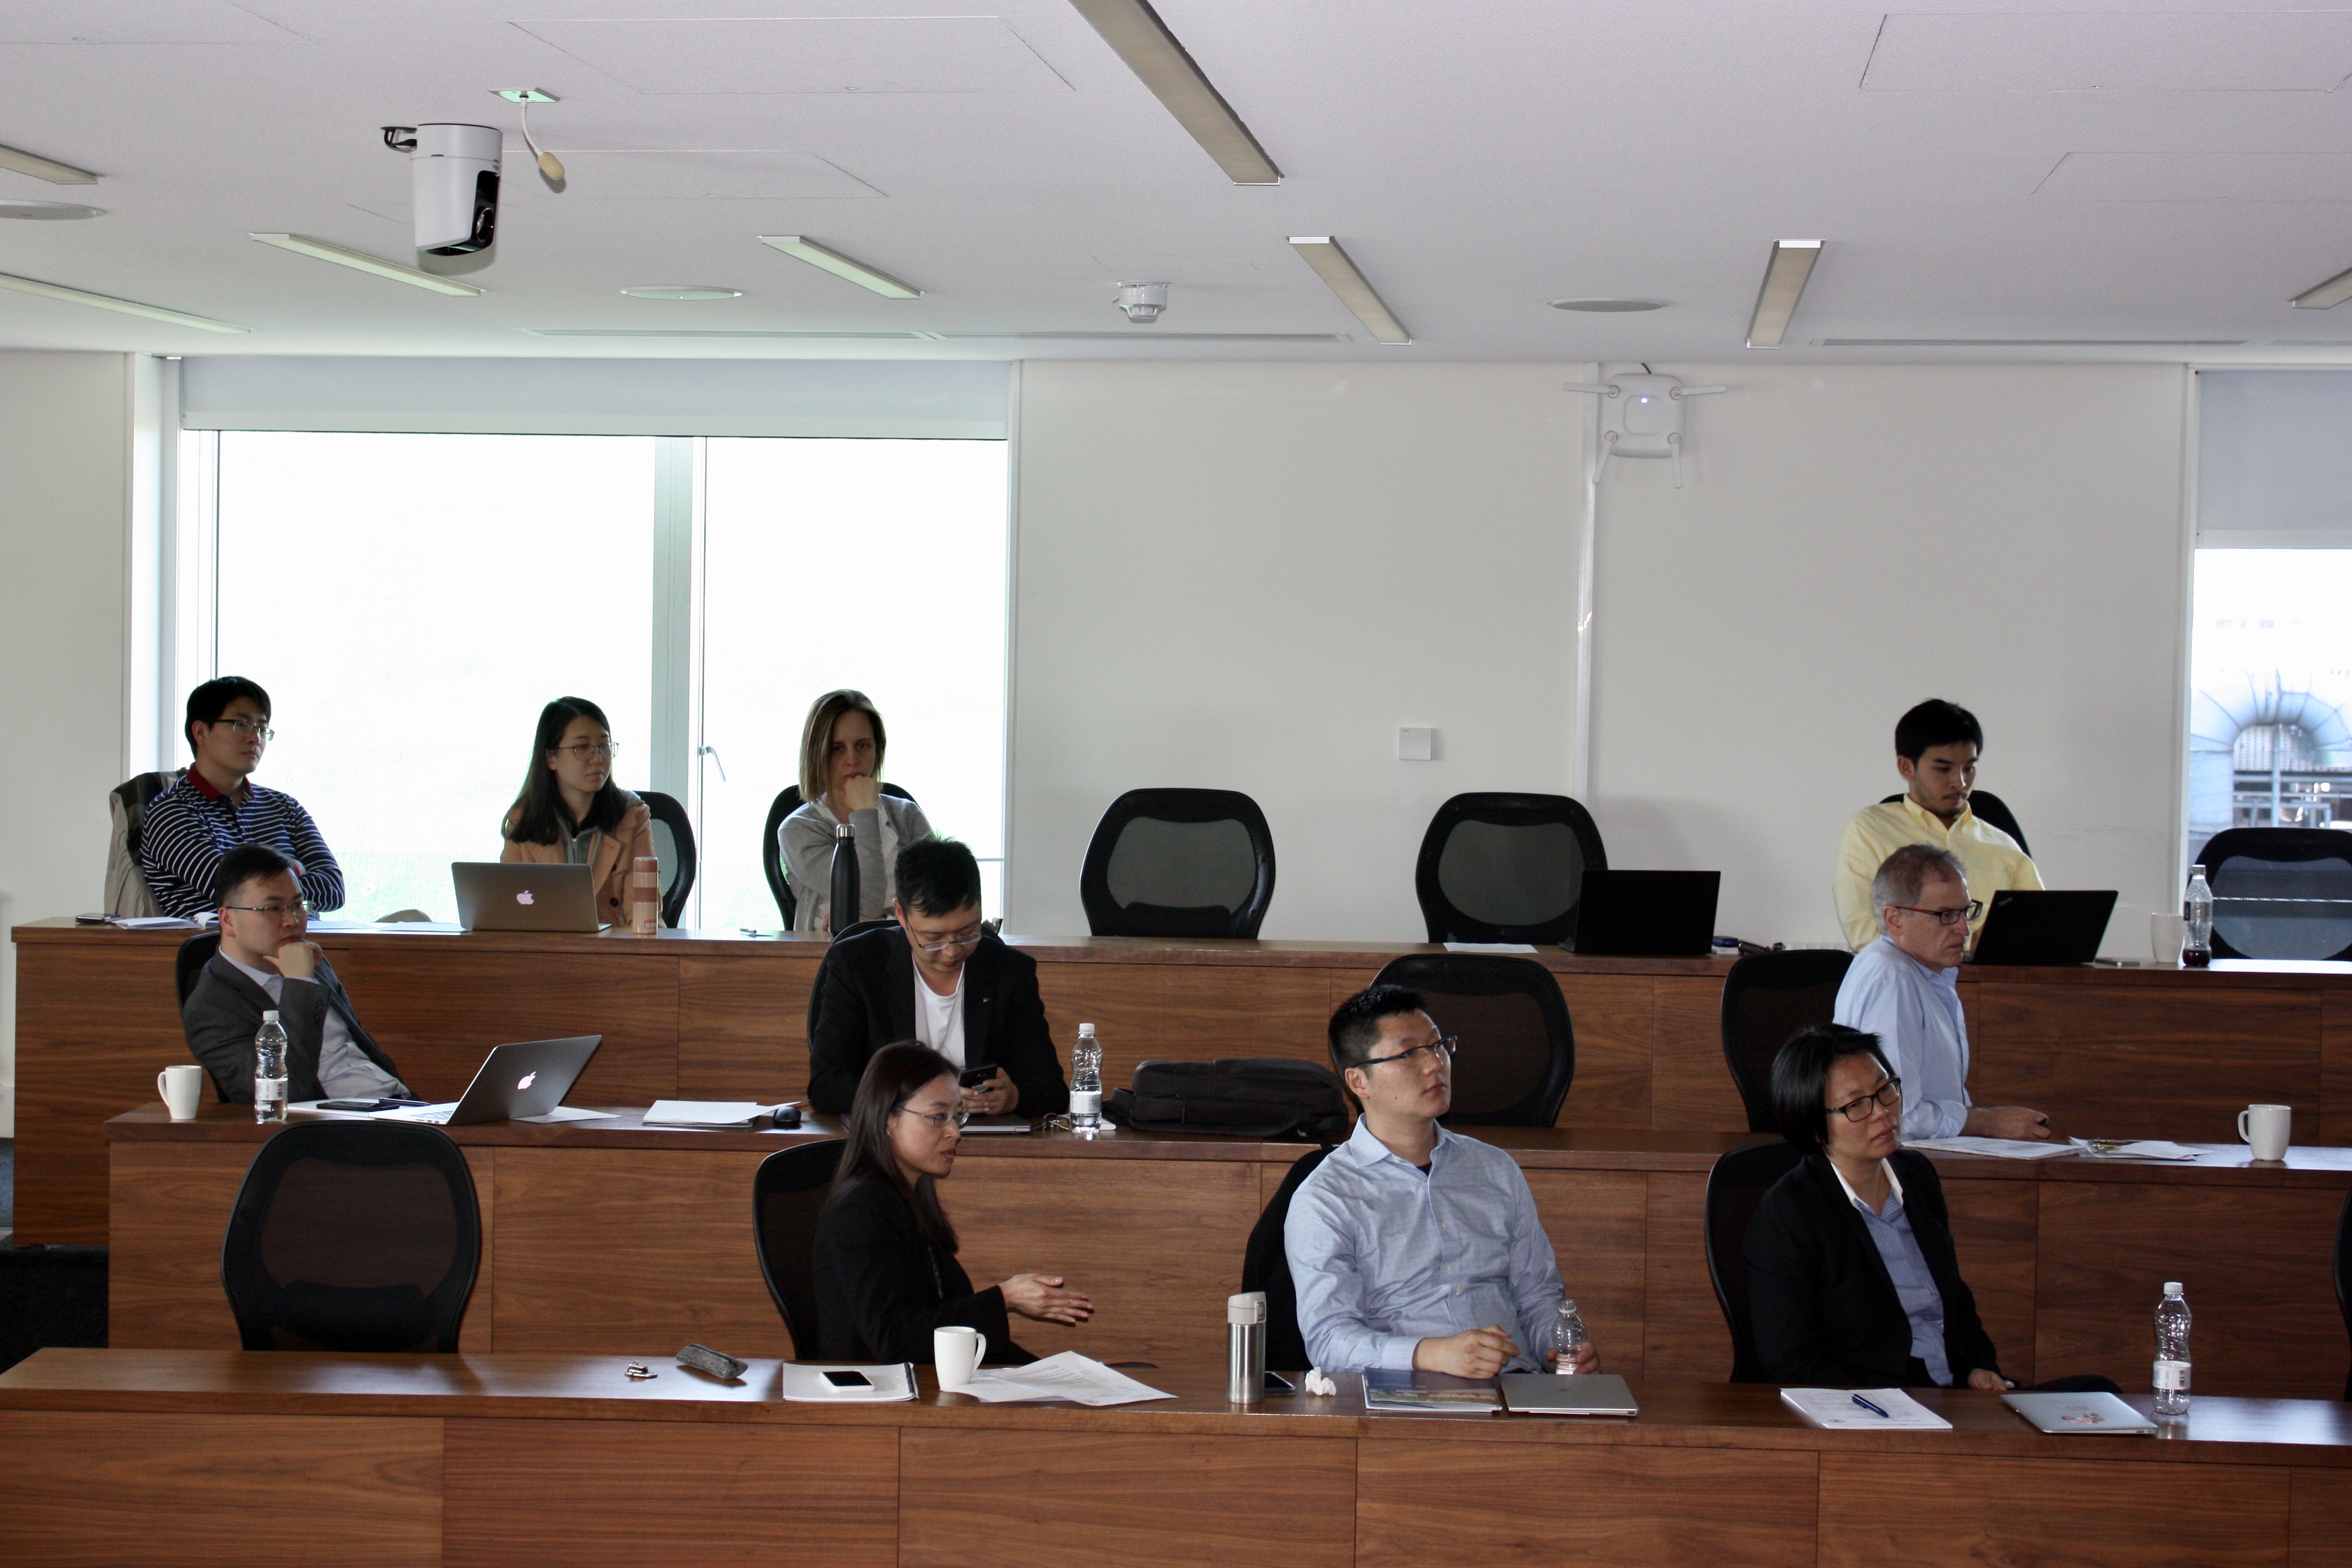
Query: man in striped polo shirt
[[215, 806]]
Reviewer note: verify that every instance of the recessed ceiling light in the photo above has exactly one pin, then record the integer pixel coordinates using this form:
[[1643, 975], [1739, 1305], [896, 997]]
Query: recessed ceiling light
[[42, 168], [1784, 284], [1135, 32], [361, 262], [48, 211], [841, 266], [2326, 296], [682, 291], [1337, 269], [109, 303], [1608, 307]]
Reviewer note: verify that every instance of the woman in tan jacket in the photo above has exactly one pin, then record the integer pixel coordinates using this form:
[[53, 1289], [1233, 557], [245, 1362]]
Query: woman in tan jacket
[[570, 809]]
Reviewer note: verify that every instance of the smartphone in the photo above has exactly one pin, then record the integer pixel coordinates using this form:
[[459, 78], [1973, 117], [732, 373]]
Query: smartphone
[[974, 1078], [848, 1378]]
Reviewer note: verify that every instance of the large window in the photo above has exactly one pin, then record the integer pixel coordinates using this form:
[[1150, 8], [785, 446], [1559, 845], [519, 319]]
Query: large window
[[410, 601]]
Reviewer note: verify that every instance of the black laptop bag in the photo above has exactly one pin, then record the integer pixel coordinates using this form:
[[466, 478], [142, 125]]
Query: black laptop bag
[[1239, 1097]]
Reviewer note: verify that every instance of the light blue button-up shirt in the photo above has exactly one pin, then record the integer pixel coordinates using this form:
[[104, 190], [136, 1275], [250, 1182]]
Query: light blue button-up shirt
[[1898, 1248], [1915, 1011], [1385, 1255]]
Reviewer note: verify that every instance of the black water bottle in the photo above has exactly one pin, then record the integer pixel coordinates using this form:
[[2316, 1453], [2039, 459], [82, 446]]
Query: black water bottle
[[845, 877]]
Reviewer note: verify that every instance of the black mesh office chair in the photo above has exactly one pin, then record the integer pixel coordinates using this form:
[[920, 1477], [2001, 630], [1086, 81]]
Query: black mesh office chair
[[1990, 809], [1505, 867], [1767, 997], [1178, 863], [674, 844], [1518, 1049], [2279, 892], [189, 962], [2343, 1274], [1734, 1188], [1265, 1265], [787, 1194], [353, 1236], [771, 854]]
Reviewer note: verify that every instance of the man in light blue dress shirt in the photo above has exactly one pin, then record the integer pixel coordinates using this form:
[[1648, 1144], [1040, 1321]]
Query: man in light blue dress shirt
[[1412, 1246], [1904, 988]]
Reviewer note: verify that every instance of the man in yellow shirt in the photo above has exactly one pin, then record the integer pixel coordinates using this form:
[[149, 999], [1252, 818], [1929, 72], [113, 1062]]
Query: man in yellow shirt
[[1935, 749]]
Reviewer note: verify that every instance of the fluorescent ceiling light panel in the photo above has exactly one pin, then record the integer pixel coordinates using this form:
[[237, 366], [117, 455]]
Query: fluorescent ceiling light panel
[[42, 168], [1784, 285], [841, 266], [360, 262], [109, 303], [2326, 296], [1339, 270], [1135, 32]]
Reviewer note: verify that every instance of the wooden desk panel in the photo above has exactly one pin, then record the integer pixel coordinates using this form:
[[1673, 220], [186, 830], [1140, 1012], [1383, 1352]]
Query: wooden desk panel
[[1994, 1227], [742, 1027], [1614, 1018]]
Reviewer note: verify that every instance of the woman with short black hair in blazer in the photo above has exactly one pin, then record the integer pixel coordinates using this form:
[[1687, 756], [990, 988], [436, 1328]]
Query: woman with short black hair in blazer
[[885, 1268]]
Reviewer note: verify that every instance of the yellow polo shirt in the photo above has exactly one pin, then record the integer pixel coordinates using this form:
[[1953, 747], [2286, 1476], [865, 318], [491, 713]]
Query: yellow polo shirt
[[1990, 856]]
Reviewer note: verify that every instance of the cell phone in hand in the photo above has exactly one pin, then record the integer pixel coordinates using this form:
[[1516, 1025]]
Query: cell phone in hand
[[977, 1077]]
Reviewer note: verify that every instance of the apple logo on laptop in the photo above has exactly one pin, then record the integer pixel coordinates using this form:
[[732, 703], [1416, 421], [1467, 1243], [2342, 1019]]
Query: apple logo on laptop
[[528, 1079], [523, 897]]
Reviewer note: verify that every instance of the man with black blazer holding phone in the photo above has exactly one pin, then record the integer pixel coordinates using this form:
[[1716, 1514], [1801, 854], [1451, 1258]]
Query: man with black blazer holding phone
[[939, 977]]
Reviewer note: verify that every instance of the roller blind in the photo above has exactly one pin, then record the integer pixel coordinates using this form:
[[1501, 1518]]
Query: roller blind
[[2274, 460]]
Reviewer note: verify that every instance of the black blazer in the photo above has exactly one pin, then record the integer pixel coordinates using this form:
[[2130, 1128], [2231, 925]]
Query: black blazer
[[223, 1012], [1824, 1309], [865, 999], [881, 1288]]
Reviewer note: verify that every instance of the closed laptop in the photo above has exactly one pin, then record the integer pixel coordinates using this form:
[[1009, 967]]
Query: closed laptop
[[1647, 914]]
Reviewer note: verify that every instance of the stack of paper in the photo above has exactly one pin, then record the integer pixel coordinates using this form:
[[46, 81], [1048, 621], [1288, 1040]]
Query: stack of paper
[[1069, 1375], [704, 1113], [1843, 1410], [2143, 1149], [1992, 1148], [1526, 947]]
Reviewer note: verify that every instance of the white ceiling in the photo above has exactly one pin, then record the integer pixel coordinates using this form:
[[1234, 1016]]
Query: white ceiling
[[2162, 174]]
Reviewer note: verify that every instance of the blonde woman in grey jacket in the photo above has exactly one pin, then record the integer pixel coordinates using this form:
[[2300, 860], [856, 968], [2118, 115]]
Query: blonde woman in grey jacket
[[841, 773]]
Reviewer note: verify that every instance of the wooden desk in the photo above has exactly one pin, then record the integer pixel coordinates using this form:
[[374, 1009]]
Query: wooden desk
[[115, 1456], [610, 1237]]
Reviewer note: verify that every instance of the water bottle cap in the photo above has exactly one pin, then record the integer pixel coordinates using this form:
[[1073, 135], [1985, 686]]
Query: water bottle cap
[[2172, 1287], [2196, 871], [270, 1015], [1567, 1306], [1249, 1307], [1086, 1030]]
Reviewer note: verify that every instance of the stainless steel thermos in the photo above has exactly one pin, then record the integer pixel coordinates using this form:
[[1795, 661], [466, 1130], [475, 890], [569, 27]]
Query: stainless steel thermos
[[1245, 1348]]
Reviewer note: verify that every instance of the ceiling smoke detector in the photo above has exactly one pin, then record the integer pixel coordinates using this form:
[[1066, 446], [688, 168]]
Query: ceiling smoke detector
[[1143, 302]]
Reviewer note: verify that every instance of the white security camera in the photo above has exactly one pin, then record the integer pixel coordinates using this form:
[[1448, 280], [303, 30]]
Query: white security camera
[[453, 172], [1142, 301]]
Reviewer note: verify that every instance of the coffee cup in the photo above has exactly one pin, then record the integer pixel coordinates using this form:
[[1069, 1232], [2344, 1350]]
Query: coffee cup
[[2269, 1128], [181, 1089], [956, 1353], [2166, 933]]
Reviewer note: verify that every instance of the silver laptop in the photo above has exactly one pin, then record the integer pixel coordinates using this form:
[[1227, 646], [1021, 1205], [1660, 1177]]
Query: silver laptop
[[494, 895], [2066, 1414], [526, 1080], [1549, 1394]]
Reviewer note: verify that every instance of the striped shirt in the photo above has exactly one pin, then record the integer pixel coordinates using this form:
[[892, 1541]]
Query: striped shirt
[[191, 825]]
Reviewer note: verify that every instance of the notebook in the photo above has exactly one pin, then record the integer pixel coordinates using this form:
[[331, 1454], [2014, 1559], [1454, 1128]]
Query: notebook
[[1423, 1392], [841, 1385], [1843, 1410], [2094, 1415], [1549, 1394]]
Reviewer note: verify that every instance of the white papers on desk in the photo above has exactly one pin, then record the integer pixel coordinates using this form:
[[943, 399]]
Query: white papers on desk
[[839, 1384], [387, 928], [1080, 1378], [2145, 1148], [569, 1113], [1835, 1410], [1527, 948], [1992, 1148], [704, 1113], [150, 923]]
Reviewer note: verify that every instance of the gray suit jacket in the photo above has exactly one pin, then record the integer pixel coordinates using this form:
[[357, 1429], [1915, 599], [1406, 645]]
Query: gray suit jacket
[[223, 1012]]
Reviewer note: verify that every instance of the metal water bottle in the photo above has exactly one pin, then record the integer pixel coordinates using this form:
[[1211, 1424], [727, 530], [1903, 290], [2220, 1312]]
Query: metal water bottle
[[845, 877], [1245, 1348], [644, 895]]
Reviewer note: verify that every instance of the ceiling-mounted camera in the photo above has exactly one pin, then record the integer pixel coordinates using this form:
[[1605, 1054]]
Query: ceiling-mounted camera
[[453, 172]]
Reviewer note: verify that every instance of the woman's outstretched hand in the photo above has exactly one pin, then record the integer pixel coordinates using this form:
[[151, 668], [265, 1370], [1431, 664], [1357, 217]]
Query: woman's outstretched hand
[[1042, 1297]]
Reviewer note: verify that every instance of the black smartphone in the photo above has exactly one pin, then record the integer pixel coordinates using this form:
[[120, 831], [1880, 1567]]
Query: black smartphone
[[848, 1378], [974, 1078]]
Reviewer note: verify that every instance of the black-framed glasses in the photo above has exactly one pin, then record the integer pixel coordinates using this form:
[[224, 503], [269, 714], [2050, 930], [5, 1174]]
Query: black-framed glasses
[[249, 727], [275, 911], [1436, 1050], [1970, 912], [940, 1120], [1887, 1096], [586, 750], [951, 943]]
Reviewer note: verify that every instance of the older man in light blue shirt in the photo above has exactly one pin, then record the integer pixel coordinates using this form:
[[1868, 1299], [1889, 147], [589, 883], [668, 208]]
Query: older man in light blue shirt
[[1412, 1246], [1904, 988]]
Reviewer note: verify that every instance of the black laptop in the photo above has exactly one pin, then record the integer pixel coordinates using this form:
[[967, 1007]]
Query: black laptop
[[2024, 926], [1647, 914]]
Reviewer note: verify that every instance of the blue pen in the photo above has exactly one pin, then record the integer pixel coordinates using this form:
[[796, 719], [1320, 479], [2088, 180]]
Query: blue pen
[[1873, 1409]]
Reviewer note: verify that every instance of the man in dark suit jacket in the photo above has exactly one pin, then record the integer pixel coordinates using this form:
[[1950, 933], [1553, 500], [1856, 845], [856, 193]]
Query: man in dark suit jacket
[[266, 961], [940, 977]]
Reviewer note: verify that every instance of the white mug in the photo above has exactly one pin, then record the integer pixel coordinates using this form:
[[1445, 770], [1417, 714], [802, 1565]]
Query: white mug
[[2269, 1128], [957, 1352], [2166, 933], [181, 1089]]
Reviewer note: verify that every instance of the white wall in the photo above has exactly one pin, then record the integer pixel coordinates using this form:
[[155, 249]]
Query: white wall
[[1854, 540], [1249, 576], [64, 484]]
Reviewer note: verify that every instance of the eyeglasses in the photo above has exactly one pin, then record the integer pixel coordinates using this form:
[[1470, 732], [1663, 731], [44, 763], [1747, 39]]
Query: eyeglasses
[[274, 912], [584, 751], [248, 726], [1436, 1050], [940, 1120], [1974, 908], [949, 943], [1888, 1095]]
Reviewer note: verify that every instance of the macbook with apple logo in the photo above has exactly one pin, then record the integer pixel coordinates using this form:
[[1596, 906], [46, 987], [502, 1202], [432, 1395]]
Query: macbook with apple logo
[[497, 895], [530, 1078]]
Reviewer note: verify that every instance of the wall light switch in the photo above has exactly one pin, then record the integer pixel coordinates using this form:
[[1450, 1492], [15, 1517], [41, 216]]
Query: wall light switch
[[1416, 745]]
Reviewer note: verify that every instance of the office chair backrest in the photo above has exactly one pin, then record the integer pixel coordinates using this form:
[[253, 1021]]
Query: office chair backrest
[[2343, 1274], [1265, 1265], [2302, 878], [1178, 863], [674, 844], [1767, 997], [1734, 1188], [353, 1236], [189, 962], [1991, 810], [1518, 1049], [127, 892], [1505, 867], [787, 1194], [771, 855]]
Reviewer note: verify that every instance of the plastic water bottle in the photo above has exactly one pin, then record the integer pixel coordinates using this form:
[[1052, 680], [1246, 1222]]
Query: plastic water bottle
[[1567, 1337], [2197, 911], [269, 1070], [2172, 1352], [1086, 1080]]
